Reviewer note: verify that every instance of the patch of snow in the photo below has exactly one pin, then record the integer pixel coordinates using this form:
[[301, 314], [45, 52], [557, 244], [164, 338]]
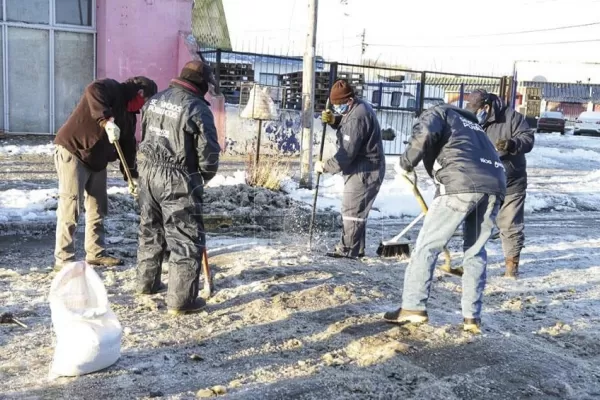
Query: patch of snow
[[238, 178], [13, 150], [395, 198]]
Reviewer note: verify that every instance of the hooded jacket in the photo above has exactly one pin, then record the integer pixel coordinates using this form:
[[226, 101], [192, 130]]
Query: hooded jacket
[[504, 123], [456, 153]]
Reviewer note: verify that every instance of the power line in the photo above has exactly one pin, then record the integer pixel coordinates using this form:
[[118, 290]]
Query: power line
[[408, 46], [558, 28]]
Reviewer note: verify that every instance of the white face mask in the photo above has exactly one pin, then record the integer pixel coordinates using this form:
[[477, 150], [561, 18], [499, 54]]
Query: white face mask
[[482, 116]]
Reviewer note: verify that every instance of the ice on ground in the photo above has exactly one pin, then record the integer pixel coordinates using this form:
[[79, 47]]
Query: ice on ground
[[14, 150]]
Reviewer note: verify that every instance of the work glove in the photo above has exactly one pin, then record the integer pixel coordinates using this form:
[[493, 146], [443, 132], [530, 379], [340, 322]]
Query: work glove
[[508, 146], [327, 117], [112, 131], [133, 187], [319, 167]]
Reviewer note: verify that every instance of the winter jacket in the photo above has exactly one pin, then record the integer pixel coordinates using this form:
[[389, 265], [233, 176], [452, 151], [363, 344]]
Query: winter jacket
[[178, 131], [456, 153], [360, 148], [83, 133], [505, 123]]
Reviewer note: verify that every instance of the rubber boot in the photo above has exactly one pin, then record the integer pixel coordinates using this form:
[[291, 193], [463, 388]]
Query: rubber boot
[[512, 267]]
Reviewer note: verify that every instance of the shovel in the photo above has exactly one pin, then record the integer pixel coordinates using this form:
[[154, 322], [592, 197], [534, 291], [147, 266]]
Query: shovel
[[314, 207], [398, 247], [125, 167]]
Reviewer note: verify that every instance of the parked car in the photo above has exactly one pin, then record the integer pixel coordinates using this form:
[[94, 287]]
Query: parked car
[[551, 121], [588, 123]]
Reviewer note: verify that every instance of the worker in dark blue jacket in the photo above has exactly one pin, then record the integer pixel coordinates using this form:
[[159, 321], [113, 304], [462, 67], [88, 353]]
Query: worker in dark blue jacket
[[359, 158]]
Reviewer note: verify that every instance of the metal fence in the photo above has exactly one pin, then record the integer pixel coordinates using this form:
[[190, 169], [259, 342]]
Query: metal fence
[[397, 95]]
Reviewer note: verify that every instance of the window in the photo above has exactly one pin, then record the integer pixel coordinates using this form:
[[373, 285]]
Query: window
[[376, 97], [73, 12], [268, 79], [44, 66], [396, 99], [411, 103], [30, 11]]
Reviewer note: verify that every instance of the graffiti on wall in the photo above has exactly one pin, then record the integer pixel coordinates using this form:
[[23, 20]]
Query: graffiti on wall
[[282, 136]]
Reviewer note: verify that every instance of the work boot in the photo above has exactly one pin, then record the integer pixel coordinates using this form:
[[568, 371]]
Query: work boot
[[106, 261], [401, 316], [458, 271], [512, 267], [195, 307], [472, 325], [339, 253], [161, 288]]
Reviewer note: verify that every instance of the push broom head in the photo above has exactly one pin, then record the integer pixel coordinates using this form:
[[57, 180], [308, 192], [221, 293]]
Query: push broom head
[[394, 249]]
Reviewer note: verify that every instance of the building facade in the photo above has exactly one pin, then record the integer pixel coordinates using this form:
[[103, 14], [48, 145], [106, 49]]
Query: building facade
[[52, 49]]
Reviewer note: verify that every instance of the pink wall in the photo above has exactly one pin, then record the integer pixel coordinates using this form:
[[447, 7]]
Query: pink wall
[[141, 37]]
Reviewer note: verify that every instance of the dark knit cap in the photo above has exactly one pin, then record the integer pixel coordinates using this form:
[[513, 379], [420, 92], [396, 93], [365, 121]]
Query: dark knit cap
[[198, 73], [477, 99], [341, 92], [140, 82]]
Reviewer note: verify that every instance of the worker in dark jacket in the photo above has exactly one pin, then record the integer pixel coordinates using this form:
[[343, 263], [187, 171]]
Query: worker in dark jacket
[[471, 184], [510, 133], [178, 155], [105, 114], [360, 159]]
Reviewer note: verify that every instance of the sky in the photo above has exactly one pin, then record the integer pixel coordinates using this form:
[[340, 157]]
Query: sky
[[466, 36]]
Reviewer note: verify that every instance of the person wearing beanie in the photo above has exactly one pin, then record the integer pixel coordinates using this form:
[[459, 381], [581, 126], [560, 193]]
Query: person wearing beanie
[[359, 158], [509, 132], [106, 113], [178, 155]]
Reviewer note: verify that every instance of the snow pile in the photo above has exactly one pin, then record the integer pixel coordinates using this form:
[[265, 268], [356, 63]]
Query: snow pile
[[16, 150], [28, 205], [238, 178], [395, 198]]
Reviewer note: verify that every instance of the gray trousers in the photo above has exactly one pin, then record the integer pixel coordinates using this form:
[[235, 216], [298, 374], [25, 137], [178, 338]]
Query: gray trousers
[[360, 192], [75, 181], [511, 223]]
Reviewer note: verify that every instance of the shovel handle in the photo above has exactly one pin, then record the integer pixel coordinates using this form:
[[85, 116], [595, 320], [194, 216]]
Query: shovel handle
[[125, 166], [424, 208]]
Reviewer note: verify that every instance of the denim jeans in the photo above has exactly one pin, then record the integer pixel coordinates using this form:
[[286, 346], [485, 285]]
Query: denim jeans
[[478, 212]]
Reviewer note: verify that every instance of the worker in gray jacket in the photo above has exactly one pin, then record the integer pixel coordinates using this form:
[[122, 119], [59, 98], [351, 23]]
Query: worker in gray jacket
[[360, 159], [470, 184], [510, 133]]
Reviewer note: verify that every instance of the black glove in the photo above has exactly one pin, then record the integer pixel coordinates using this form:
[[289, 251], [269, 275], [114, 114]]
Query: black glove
[[508, 146]]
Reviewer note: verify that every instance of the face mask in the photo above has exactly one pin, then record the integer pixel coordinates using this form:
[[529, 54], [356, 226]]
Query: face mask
[[481, 116], [136, 103], [341, 108]]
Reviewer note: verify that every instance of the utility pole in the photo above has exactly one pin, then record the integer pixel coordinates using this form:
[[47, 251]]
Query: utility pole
[[363, 44], [308, 97]]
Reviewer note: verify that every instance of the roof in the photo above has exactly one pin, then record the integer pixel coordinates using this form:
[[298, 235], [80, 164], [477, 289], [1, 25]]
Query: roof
[[566, 92]]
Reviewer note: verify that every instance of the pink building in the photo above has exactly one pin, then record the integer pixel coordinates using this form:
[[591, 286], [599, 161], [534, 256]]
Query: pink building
[[51, 49]]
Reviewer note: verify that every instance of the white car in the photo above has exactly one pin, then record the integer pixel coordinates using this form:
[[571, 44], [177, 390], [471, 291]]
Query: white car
[[588, 123]]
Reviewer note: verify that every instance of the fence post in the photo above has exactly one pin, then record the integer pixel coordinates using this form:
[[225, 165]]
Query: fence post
[[218, 68], [503, 95], [422, 93], [461, 98]]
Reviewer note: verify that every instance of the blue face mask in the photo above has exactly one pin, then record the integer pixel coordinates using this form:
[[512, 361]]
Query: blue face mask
[[341, 108], [481, 116]]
